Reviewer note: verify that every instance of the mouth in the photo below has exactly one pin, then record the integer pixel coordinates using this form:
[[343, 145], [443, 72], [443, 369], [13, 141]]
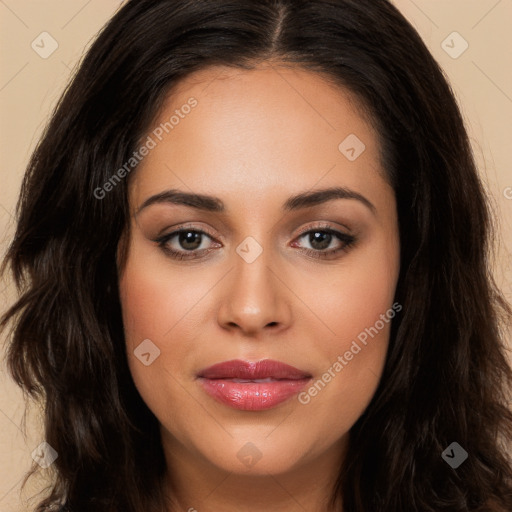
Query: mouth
[[252, 386]]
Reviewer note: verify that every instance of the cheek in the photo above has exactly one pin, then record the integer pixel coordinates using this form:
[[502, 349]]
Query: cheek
[[151, 305]]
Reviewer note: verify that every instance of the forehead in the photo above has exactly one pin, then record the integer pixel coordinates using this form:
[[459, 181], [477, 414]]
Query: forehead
[[258, 131]]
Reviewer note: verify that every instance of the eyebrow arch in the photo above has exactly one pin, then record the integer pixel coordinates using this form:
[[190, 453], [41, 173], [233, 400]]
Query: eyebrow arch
[[293, 203]]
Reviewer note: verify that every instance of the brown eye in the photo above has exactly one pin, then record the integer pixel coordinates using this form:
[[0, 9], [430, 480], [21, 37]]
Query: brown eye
[[189, 240], [320, 239], [185, 243]]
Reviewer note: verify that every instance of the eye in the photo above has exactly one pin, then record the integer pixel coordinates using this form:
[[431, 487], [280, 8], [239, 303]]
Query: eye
[[323, 237], [185, 240], [190, 243]]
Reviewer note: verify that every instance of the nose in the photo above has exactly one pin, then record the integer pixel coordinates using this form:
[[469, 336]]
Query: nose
[[255, 298]]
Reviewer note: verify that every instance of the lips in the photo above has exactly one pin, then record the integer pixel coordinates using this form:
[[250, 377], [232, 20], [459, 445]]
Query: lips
[[265, 369], [252, 386]]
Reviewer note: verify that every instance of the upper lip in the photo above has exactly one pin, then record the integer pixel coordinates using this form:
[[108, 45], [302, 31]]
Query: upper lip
[[239, 369]]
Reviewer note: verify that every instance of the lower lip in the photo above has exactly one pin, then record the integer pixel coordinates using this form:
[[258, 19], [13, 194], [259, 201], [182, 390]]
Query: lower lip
[[252, 396]]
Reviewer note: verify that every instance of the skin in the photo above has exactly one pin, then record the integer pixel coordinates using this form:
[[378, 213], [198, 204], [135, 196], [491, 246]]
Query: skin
[[255, 139]]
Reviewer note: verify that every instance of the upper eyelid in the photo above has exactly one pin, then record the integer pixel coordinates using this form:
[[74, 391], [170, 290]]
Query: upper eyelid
[[324, 226]]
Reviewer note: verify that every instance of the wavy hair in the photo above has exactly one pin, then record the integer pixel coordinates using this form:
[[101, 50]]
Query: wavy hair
[[446, 376]]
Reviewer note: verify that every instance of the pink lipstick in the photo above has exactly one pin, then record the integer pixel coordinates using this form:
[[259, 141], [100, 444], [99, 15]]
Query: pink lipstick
[[252, 386]]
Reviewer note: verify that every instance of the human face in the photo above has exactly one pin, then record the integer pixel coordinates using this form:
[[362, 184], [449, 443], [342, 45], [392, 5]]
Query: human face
[[254, 140]]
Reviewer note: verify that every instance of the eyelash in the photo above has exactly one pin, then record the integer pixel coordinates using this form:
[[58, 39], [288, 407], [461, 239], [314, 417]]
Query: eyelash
[[347, 240]]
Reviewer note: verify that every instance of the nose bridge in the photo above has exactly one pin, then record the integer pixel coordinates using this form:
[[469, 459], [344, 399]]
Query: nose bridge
[[254, 296], [253, 277]]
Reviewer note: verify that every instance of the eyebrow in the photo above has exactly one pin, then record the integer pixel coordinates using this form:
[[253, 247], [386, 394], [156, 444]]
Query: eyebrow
[[293, 203]]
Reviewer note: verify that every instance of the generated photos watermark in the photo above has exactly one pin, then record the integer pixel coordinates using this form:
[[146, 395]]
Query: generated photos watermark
[[343, 360], [151, 142]]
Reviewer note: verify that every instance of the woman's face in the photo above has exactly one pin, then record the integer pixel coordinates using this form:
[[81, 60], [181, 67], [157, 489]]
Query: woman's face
[[270, 270]]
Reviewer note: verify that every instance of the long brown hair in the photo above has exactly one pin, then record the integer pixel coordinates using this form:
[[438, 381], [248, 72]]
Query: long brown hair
[[446, 377]]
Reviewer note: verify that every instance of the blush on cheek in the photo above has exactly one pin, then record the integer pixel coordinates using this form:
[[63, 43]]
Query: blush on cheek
[[145, 301], [137, 319]]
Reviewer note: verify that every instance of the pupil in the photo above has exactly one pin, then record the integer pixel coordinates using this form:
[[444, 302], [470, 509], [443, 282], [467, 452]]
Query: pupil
[[324, 239], [186, 240]]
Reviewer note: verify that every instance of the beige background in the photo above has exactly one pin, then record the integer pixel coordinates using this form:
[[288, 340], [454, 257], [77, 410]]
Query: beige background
[[30, 86]]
